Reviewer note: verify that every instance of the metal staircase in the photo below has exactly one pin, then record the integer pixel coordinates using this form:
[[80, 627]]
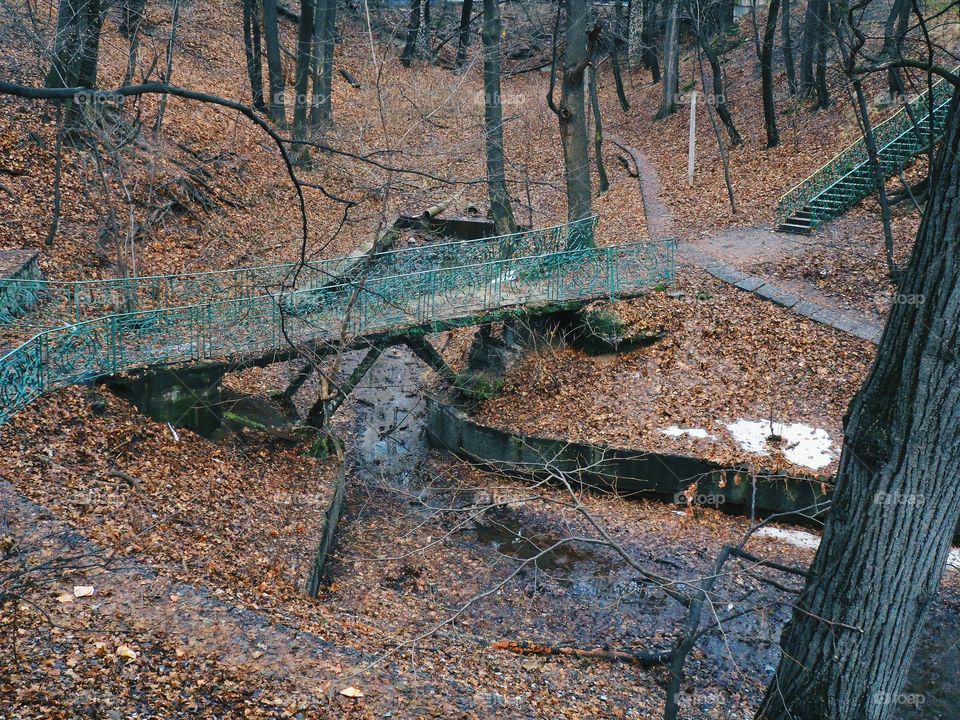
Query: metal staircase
[[848, 177]]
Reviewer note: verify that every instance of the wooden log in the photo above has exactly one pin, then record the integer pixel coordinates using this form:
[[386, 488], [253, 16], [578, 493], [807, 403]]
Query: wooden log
[[328, 539], [350, 78]]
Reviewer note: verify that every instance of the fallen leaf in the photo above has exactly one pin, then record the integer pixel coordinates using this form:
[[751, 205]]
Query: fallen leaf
[[125, 651], [351, 692], [82, 590]]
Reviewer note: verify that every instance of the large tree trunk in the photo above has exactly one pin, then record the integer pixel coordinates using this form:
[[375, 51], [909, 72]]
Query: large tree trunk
[[253, 51], [766, 75], [302, 79], [500, 208], [271, 37], [571, 111], [76, 50], [895, 30], [616, 45], [671, 62], [895, 508], [463, 42], [825, 9]]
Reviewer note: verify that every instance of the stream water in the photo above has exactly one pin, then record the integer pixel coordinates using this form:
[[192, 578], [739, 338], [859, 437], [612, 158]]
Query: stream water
[[589, 588]]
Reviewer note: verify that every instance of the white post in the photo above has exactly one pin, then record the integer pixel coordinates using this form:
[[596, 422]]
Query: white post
[[691, 152]]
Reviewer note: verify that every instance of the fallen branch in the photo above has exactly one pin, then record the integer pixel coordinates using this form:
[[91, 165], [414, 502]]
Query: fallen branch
[[524, 647]]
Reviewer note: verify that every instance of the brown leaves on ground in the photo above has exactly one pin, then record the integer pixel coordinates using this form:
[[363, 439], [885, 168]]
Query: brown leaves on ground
[[726, 355]]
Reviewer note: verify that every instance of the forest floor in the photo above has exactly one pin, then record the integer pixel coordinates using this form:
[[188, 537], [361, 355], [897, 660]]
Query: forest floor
[[199, 548]]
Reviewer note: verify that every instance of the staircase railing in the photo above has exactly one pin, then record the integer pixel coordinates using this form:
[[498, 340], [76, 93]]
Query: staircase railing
[[855, 155], [258, 325]]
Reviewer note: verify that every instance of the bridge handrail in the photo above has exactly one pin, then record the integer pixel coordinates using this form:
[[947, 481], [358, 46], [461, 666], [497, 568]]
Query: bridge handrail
[[86, 297], [855, 154], [102, 346]]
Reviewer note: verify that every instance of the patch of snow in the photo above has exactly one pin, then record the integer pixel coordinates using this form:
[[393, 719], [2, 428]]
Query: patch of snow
[[804, 445], [675, 431], [808, 541], [797, 538]]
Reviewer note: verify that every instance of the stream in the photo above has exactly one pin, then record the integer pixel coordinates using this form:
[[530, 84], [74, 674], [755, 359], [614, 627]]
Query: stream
[[588, 592]]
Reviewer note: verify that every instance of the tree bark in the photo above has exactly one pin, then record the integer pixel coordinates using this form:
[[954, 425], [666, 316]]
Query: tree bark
[[671, 62], [766, 75], [895, 508], [302, 79], [271, 37], [500, 207], [131, 18], [253, 51], [463, 43]]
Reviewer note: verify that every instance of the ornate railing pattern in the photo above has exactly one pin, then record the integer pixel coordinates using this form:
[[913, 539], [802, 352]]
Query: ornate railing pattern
[[897, 140], [246, 326], [56, 303]]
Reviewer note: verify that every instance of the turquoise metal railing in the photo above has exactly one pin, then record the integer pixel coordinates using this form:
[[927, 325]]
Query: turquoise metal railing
[[56, 303], [258, 325], [847, 177]]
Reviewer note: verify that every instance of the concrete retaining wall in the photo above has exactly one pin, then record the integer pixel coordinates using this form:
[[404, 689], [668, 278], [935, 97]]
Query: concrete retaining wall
[[628, 472]]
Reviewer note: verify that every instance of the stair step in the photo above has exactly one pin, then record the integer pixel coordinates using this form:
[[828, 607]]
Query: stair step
[[788, 227]]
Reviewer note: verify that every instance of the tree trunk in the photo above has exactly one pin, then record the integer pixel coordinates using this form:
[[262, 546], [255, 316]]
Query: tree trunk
[[895, 30], [253, 51], [500, 208], [463, 43], [788, 62], [616, 45], [823, 43], [76, 51], [301, 153], [571, 111], [671, 62], [271, 37], [413, 33], [808, 46], [766, 75], [895, 508], [325, 43], [604, 182], [719, 100], [650, 33], [131, 18]]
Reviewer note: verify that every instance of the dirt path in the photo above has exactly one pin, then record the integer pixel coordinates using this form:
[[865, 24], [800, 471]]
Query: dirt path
[[725, 253]]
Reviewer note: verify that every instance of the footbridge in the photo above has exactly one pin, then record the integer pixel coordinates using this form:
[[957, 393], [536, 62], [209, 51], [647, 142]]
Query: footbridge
[[65, 333]]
